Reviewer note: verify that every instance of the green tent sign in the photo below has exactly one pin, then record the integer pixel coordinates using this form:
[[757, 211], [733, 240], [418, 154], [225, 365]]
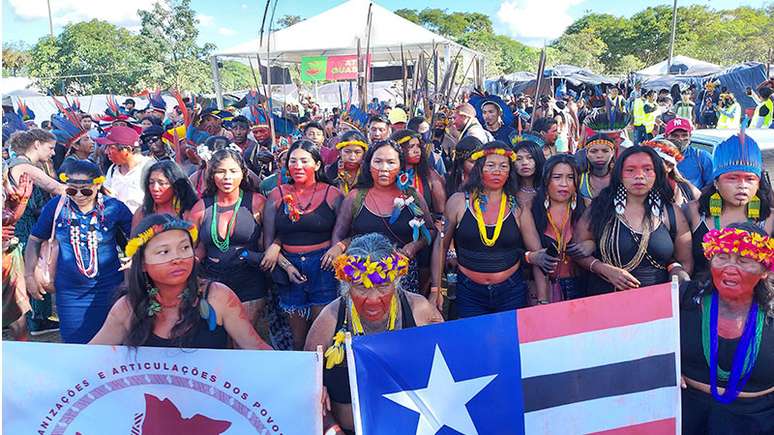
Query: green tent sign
[[313, 68]]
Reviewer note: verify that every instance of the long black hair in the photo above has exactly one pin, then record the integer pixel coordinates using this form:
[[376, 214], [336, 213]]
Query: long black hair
[[310, 147], [764, 194], [462, 152], [423, 169], [365, 180], [536, 152], [219, 156], [602, 207], [539, 211], [180, 184], [141, 324], [474, 183]]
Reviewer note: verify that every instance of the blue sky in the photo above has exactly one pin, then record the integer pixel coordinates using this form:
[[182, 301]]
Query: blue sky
[[230, 22]]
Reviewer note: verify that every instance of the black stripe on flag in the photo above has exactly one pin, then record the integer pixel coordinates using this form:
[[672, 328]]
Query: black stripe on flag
[[556, 389]]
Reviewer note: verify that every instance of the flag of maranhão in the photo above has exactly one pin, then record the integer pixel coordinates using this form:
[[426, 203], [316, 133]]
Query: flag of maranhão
[[439, 379]]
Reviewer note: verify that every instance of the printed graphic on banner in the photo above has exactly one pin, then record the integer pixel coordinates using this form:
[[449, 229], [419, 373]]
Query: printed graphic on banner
[[318, 68], [314, 68], [604, 363], [93, 389], [462, 375]]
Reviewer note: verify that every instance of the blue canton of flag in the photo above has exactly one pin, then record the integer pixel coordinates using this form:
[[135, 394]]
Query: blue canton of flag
[[460, 377]]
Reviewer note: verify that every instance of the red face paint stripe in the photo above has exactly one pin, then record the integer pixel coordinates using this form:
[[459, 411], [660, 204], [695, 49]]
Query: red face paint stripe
[[596, 313]]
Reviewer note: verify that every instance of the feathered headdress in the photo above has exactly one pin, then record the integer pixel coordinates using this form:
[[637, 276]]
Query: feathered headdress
[[356, 117], [479, 100], [155, 100], [67, 128], [601, 122], [255, 113], [24, 112], [113, 113], [11, 124]]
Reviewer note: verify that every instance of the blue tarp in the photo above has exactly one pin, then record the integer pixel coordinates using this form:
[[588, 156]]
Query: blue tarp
[[525, 81], [738, 77]]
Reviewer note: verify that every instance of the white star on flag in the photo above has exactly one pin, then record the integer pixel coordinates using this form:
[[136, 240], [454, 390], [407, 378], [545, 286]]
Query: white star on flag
[[442, 402]]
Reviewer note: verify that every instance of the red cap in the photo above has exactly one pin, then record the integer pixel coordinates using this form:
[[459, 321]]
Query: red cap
[[120, 135], [678, 124]]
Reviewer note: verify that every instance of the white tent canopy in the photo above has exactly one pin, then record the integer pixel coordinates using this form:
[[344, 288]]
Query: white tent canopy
[[337, 32], [686, 66]]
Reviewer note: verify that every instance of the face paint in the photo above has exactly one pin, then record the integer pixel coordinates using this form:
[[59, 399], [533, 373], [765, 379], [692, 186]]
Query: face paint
[[372, 309], [171, 273], [385, 178], [494, 181], [733, 282], [303, 175]]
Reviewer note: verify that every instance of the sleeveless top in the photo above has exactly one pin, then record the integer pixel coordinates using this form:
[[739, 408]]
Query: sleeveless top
[[336, 379], [200, 338], [474, 255], [585, 186], [246, 232], [399, 233], [660, 250], [312, 228]]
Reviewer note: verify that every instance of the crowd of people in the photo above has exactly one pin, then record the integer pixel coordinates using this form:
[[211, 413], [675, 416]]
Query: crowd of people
[[247, 228]]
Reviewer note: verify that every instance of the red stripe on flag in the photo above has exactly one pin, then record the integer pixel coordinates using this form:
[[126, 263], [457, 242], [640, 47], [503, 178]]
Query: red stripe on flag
[[658, 427], [594, 313]]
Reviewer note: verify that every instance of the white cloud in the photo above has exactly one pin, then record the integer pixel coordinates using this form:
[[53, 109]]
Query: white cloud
[[225, 31], [533, 21], [244, 6], [205, 20], [70, 11]]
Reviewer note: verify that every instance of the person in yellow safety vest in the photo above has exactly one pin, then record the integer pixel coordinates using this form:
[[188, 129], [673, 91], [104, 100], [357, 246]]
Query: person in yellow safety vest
[[644, 112], [729, 112], [762, 117]]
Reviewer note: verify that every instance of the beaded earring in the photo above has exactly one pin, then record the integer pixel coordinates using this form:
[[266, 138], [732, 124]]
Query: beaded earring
[[715, 204], [547, 202], [154, 307], [619, 201], [655, 203], [754, 208], [573, 202]]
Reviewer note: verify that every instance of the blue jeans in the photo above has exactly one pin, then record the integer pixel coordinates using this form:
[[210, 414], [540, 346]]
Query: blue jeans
[[320, 287], [475, 299]]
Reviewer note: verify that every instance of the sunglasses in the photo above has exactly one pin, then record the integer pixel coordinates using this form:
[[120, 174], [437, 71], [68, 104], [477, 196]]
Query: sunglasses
[[85, 191]]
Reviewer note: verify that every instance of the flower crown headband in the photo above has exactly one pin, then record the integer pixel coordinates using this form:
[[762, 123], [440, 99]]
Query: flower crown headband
[[347, 143], [96, 180], [141, 239], [731, 240], [499, 151], [358, 270]]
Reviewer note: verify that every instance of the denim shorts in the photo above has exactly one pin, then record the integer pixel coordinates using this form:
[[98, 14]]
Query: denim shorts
[[320, 288], [474, 299]]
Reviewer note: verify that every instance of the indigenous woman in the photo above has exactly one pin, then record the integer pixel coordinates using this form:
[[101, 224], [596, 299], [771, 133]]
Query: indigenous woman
[[370, 304], [345, 170], [385, 203], [204, 153], [167, 190], [483, 221], [685, 192], [299, 219], [229, 216], [461, 164], [600, 157], [529, 167], [727, 336], [166, 304], [641, 237], [555, 210], [87, 225], [422, 177], [738, 194]]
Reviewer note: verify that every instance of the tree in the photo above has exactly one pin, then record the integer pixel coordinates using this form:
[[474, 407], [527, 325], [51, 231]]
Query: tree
[[95, 56], [169, 33], [16, 57], [288, 20], [581, 49], [236, 76]]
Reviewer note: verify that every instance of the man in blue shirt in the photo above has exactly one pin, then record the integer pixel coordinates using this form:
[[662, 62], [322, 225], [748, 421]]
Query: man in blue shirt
[[696, 165]]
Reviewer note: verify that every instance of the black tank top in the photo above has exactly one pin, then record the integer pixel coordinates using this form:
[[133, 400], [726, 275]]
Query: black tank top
[[399, 233], [246, 232], [694, 364], [474, 255], [336, 379], [200, 338], [313, 227]]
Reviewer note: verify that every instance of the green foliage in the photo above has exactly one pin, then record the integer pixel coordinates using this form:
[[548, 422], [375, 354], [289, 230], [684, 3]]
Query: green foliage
[[235, 76], [83, 49], [16, 57], [581, 49], [288, 20]]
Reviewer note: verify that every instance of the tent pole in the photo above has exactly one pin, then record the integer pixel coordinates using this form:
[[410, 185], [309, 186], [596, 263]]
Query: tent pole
[[672, 37], [216, 81]]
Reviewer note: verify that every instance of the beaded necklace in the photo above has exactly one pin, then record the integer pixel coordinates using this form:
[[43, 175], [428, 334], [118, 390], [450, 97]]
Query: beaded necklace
[[746, 349], [561, 241], [485, 239], [226, 242], [92, 241], [292, 209]]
